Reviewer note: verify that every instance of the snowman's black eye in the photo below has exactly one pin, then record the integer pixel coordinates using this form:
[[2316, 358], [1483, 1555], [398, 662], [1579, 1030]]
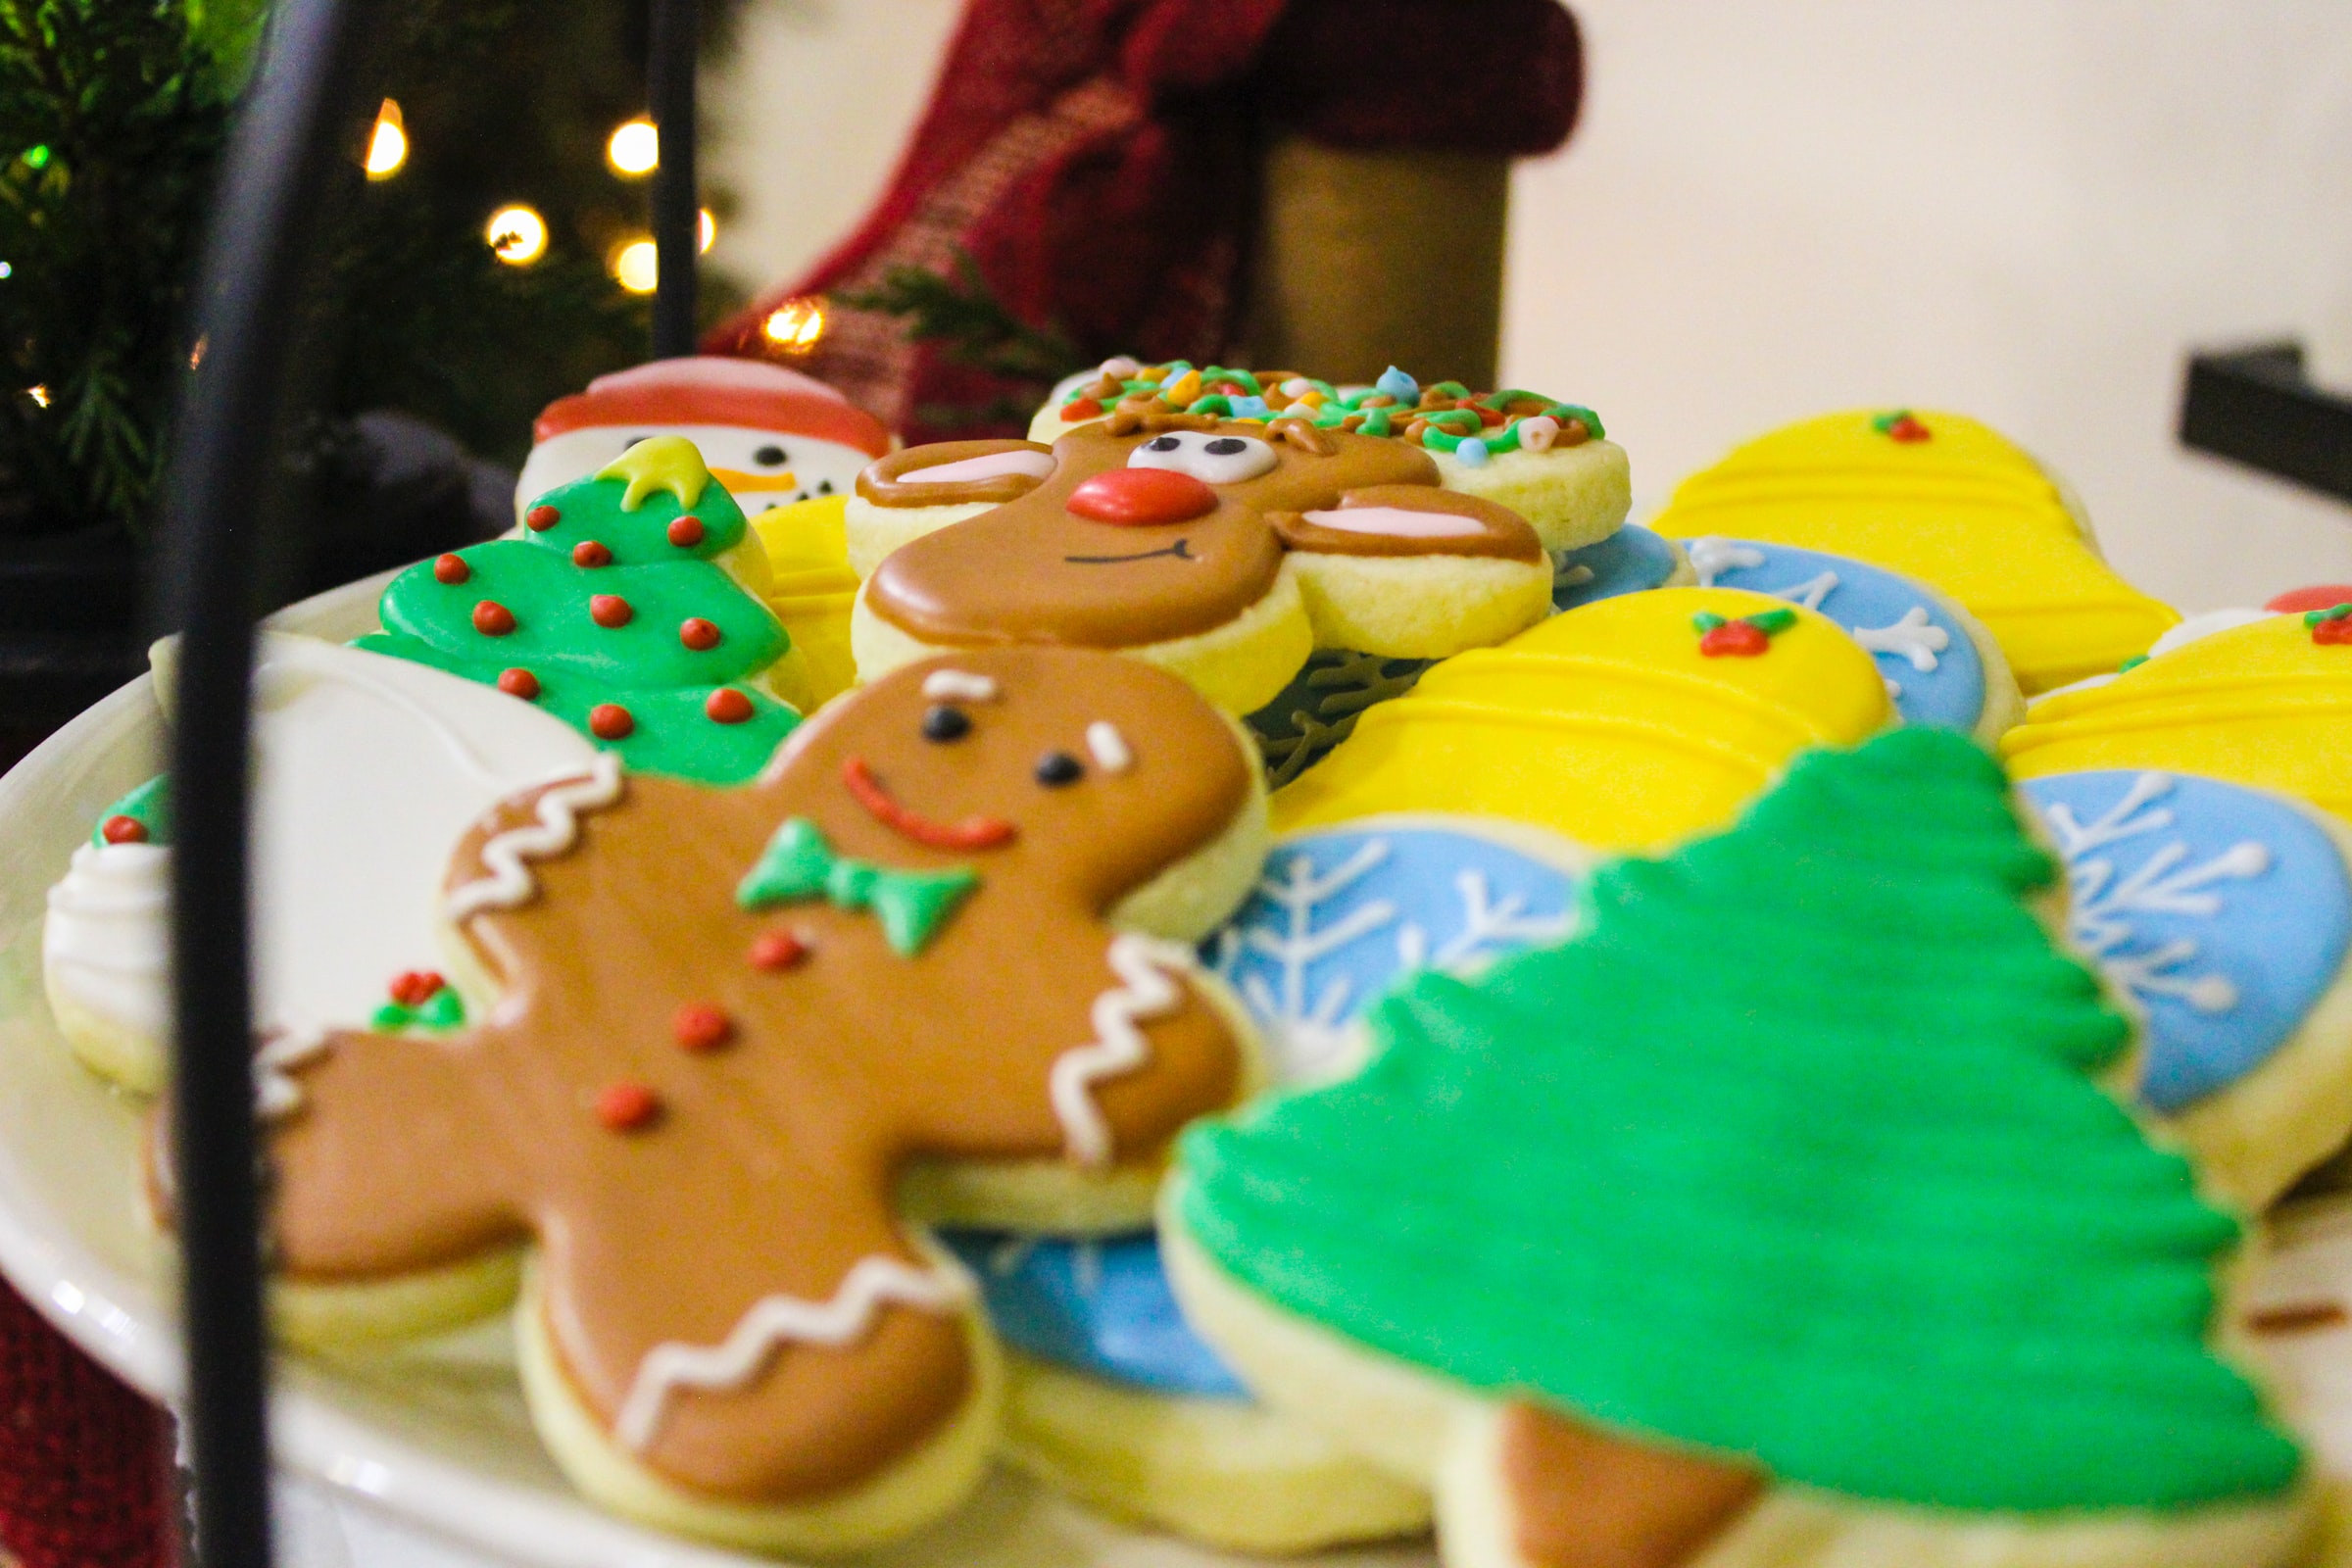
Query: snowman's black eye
[[824, 487], [1225, 446], [1162, 442], [942, 722], [769, 456], [1056, 768]]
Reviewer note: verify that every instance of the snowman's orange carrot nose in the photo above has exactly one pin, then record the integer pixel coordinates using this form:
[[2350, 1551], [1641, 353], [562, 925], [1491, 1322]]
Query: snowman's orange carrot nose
[[738, 481]]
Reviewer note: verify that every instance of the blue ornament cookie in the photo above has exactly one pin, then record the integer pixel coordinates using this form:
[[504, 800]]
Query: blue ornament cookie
[[1934, 669], [1626, 562], [1337, 917], [2223, 912]]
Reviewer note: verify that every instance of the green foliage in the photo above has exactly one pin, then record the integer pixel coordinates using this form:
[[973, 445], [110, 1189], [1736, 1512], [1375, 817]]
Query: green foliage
[[964, 315]]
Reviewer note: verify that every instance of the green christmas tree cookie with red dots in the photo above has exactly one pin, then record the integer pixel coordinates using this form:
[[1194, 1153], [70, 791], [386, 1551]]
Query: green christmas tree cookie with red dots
[[628, 607]]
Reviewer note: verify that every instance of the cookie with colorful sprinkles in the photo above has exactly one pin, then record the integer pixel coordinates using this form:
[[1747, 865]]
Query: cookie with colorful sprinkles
[[1778, 1217], [727, 1027]]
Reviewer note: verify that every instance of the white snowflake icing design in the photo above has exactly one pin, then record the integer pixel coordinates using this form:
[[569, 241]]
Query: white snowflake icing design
[[1914, 637], [2100, 921]]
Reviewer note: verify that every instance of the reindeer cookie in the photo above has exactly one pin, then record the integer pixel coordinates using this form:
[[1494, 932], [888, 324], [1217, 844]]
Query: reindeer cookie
[[717, 1028], [1224, 550]]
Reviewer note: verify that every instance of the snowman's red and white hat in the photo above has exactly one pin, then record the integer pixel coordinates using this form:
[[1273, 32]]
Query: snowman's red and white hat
[[769, 434]]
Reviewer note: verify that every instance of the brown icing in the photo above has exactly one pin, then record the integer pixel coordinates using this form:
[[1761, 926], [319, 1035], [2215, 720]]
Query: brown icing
[[1030, 572], [1582, 1497], [1502, 535], [769, 1167], [883, 481]]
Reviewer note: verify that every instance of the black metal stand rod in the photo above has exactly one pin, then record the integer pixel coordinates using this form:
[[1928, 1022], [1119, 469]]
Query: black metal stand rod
[[2257, 406], [677, 211], [217, 521]]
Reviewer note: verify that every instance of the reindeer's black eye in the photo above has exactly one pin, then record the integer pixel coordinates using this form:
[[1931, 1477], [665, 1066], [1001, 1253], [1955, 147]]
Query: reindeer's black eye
[[1162, 442], [1225, 446], [943, 722], [1056, 768], [769, 456]]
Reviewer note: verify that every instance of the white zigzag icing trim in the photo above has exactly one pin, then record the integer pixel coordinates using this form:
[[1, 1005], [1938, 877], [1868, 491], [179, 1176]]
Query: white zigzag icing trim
[[774, 1321], [1118, 1046], [275, 1095], [510, 882]]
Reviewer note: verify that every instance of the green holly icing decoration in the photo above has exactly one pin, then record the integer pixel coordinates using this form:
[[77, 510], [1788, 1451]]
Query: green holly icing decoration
[[1792, 1156], [148, 806], [443, 1010], [644, 662], [798, 865], [2313, 617]]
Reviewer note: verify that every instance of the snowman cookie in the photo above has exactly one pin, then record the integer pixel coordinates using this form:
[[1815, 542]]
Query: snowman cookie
[[932, 935], [1223, 550]]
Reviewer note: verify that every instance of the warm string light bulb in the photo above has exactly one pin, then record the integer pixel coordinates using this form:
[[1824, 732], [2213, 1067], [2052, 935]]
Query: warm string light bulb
[[516, 236], [634, 149], [388, 144], [637, 266], [705, 231], [794, 325]]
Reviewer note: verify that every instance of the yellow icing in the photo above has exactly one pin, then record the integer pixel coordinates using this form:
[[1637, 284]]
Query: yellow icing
[[2260, 705], [1606, 725], [1965, 511], [658, 462], [811, 589]]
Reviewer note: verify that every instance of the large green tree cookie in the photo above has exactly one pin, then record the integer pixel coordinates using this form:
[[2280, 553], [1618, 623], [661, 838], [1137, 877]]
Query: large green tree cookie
[[1791, 1158], [627, 608]]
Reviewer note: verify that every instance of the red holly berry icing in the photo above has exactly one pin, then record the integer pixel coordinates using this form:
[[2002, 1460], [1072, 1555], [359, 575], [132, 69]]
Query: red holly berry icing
[[686, 532], [1734, 639], [541, 518], [700, 1026], [609, 721], [2333, 629], [610, 610], [451, 569], [698, 634], [727, 705], [519, 683], [777, 950], [492, 618], [590, 552], [627, 1106], [1902, 426], [124, 830], [413, 988]]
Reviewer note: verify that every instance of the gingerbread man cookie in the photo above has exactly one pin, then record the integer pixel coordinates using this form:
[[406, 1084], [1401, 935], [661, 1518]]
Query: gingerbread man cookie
[[1225, 550], [719, 1028]]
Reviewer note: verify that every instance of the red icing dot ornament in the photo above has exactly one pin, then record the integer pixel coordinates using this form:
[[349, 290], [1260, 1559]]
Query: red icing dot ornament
[[413, 988], [626, 1106], [1142, 497], [541, 518], [727, 705], [119, 829], [492, 618], [686, 532], [1901, 425], [777, 950], [1081, 408], [610, 610], [2320, 596], [609, 721], [698, 1026], [451, 569], [2330, 626], [521, 683], [591, 552], [1744, 638], [698, 634]]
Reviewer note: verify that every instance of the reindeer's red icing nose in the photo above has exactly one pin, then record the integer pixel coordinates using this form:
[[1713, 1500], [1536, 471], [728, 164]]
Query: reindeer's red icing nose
[[1138, 498]]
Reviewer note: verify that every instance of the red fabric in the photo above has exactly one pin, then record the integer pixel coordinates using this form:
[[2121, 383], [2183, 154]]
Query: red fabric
[[1098, 158], [85, 1462]]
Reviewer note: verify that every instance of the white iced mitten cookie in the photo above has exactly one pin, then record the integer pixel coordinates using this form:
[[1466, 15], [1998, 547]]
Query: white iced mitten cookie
[[1775, 1218]]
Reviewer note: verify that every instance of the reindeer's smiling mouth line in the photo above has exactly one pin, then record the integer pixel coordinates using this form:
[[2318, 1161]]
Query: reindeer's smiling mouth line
[[972, 833], [1181, 550]]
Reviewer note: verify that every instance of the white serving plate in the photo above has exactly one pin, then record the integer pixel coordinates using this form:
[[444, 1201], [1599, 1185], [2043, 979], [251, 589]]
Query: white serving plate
[[432, 1443]]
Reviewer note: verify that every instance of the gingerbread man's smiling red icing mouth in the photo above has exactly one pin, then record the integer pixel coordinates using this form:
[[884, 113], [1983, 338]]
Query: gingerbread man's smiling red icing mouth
[[972, 833]]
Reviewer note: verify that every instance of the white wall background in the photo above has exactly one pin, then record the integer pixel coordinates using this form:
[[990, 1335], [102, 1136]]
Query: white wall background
[[2019, 209]]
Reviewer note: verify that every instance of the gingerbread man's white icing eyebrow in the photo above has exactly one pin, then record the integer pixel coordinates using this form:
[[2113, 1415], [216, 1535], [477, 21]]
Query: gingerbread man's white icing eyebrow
[[958, 685], [1108, 747]]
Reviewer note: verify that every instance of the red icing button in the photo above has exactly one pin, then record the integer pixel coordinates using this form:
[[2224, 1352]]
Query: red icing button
[[1139, 497], [1734, 639], [413, 988], [626, 1106], [2321, 596], [451, 569], [727, 705], [492, 618], [609, 721], [700, 1026], [119, 829], [520, 684], [2338, 630], [696, 633], [1907, 430], [686, 532], [590, 552], [777, 950], [1080, 409], [610, 610], [542, 518]]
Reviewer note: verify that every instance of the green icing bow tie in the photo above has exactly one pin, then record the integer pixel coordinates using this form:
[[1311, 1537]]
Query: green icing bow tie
[[799, 864]]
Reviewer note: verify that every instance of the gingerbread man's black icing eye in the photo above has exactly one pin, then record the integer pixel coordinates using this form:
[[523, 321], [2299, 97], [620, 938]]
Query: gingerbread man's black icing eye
[[944, 721], [770, 456], [1210, 459], [1056, 768]]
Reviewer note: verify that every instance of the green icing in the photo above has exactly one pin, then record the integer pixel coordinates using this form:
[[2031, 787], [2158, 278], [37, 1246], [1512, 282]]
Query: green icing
[[443, 1010], [643, 666], [1792, 1155], [150, 806], [798, 865]]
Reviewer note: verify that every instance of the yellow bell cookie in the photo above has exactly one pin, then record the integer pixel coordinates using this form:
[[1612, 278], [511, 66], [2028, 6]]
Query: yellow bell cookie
[[1948, 501], [811, 588], [1609, 723], [2266, 704]]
